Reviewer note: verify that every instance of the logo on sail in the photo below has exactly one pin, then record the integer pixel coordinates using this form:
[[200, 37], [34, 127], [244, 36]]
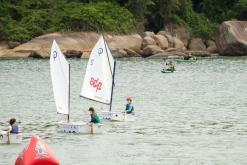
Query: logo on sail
[[95, 83], [54, 55], [100, 51]]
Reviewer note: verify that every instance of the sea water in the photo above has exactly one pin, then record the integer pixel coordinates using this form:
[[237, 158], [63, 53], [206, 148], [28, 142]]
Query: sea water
[[197, 115]]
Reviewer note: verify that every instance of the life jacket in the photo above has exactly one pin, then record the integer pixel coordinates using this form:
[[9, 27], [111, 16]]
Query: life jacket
[[15, 129], [95, 119], [132, 107]]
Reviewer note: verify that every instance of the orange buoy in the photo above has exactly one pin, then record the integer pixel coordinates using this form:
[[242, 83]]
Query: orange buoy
[[37, 153]]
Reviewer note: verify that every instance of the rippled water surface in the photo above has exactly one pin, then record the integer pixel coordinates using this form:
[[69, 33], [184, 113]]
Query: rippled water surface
[[197, 115]]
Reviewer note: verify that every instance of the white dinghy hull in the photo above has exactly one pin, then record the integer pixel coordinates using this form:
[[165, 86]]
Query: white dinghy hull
[[117, 116], [80, 128], [13, 138]]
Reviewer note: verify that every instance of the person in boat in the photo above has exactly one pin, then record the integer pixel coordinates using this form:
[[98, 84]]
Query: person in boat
[[129, 109], [170, 67], [13, 128], [187, 56], [94, 117]]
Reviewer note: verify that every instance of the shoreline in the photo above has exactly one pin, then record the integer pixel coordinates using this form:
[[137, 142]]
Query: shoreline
[[130, 58], [165, 43]]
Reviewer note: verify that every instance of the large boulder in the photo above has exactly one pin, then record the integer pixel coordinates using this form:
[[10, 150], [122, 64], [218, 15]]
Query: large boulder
[[147, 41], [151, 50], [117, 53], [40, 46], [168, 37], [132, 53], [178, 44], [72, 44], [161, 41], [211, 46], [148, 34], [232, 38], [133, 41], [178, 31], [197, 44], [73, 53]]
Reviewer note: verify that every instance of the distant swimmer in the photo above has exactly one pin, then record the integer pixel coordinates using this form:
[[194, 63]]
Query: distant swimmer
[[170, 67], [13, 126], [129, 109], [94, 117]]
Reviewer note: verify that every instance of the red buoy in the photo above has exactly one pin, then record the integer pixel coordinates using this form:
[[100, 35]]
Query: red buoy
[[37, 153]]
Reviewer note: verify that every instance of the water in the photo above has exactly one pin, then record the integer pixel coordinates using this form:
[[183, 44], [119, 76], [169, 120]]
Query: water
[[195, 116]]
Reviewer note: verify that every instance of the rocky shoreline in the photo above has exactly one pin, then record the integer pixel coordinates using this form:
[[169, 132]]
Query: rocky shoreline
[[174, 40]]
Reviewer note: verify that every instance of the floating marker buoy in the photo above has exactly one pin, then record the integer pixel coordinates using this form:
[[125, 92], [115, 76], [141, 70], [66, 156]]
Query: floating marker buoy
[[37, 153]]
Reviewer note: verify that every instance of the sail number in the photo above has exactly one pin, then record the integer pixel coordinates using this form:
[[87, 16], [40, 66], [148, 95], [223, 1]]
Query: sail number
[[100, 51], [95, 83], [54, 55]]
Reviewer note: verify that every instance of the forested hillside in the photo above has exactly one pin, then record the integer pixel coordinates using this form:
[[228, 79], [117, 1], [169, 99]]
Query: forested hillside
[[21, 20]]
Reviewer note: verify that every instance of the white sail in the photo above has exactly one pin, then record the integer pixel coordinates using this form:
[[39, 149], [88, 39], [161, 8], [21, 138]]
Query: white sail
[[97, 83], [60, 79]]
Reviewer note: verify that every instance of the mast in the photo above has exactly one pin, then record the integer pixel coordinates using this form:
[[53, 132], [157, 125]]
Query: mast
[[112, 88], [107, 55], [69, 96], [112, 73]]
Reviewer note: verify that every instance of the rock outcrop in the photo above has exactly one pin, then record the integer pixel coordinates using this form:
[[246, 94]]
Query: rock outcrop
[[161, 41], [178, 31], [168, 42], [178, 44], [148, 34], [232, 38], [132, 53], [168, 37], [211, 46], [197, 44], [73, 53], [147, 41], [151, 50], [73, 44], [120, 42], [13, 44]]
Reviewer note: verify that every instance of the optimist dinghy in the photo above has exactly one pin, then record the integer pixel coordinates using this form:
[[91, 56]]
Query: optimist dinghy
[[60, 75], [98, 82], [6, 138]]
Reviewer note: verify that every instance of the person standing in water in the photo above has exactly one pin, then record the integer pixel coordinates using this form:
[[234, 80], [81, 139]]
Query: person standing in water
[[94, 117], [129, 109], [13, 128]]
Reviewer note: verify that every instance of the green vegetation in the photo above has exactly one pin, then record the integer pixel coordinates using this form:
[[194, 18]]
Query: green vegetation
[[21, 20]]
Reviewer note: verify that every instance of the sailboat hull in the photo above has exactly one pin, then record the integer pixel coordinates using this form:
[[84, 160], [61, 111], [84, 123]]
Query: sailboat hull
[[81, 128], [13, 138], [117, 116]]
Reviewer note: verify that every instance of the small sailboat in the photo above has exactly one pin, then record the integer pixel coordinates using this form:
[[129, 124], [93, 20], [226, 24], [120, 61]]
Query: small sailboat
[[60, 75], [98, 84], [6, 138]]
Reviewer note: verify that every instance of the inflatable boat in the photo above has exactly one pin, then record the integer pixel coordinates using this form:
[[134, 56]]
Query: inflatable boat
[[36, 153]]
